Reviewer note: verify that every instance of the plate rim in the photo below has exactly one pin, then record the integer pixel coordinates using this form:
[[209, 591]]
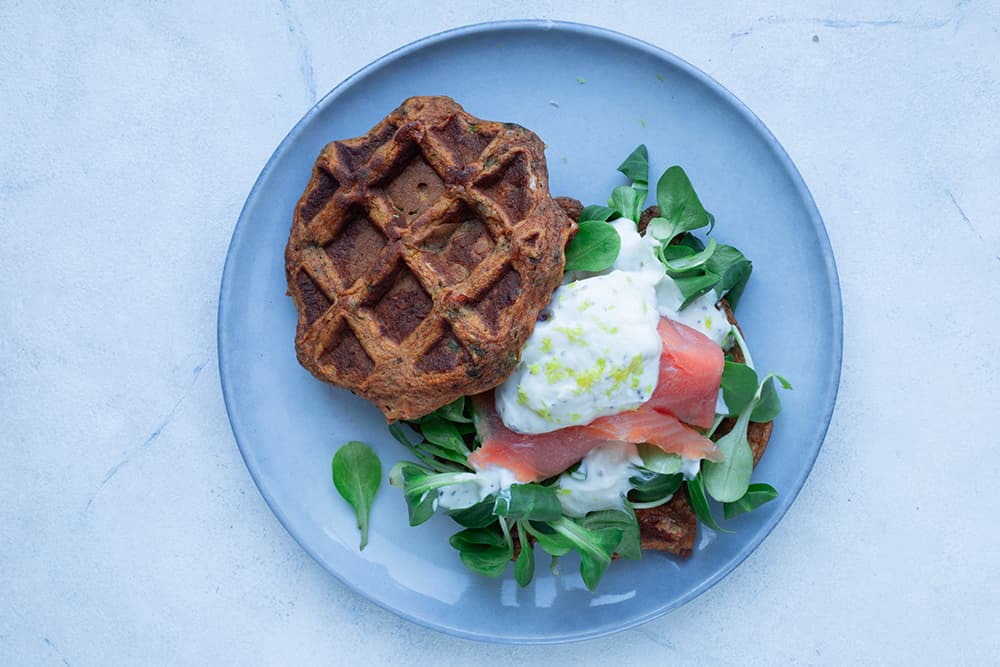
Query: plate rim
[[814, 219]]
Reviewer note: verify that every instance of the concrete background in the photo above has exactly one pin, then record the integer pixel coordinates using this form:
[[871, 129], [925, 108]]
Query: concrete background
[[130, 530]]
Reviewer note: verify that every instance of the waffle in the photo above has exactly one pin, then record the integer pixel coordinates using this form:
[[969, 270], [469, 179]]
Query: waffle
[[421, 254]]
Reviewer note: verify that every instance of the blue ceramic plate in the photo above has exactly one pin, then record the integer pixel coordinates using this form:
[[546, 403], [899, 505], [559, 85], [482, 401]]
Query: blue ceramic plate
[[592, 96]]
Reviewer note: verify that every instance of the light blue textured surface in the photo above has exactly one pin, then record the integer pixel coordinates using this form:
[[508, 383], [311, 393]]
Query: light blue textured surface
[[130, 531]]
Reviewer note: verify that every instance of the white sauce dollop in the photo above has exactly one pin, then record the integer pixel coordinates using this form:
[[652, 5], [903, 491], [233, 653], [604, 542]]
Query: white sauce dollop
[[474, 487], [596, 354], [601, 480], [597, 351]]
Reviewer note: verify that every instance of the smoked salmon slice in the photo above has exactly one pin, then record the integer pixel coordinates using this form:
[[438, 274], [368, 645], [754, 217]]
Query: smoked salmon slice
[[536, 457], [690, 371]]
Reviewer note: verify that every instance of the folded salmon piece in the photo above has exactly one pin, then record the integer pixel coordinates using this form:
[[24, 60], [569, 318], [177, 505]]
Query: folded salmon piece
[[534, 457], [690, 371]]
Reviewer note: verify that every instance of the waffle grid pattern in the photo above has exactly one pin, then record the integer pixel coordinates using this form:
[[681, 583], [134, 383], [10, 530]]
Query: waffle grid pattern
[[416, 251]]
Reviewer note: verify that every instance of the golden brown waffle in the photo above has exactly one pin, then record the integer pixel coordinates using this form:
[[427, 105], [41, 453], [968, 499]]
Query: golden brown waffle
[[421, 254]]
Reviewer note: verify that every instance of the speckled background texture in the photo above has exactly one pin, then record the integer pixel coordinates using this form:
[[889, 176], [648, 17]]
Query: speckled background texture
[[130, 530]]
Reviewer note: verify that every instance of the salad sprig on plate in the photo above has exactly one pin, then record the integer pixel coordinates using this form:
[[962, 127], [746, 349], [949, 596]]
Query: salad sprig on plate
[[501, 527]]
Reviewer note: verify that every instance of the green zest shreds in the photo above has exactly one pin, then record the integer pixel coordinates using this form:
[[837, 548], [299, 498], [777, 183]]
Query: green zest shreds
[[495, 531]]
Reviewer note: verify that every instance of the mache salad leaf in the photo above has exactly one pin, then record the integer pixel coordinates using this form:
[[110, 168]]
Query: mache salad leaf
[[357, 475]]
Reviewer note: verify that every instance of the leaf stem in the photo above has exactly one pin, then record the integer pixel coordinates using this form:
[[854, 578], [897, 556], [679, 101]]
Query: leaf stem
[[747, 359]]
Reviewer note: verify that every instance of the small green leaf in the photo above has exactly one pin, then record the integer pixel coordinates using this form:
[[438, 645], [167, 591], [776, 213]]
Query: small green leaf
[[426, 458], [594, 248], [528, 501], [442, 452], [594, 546], [725, 257], [688, 240], [627, 200], [357, 474], [419, 501], [693, 287], [479, 515], [444, 434], [524, 566], [676, 251], [679, 204], [699, 503], [739, 385], [690, 261], [594, 562], [769, 405], [657, 460], [454, 411], [734, 269], [602, 213], [630, 546], [660, 229], [552, 543], [636, 166], [727, 480], [654, 487], [477, 537], [483, 550], [756, 495]]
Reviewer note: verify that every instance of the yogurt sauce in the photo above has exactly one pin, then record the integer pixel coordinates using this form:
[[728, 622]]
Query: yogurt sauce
[[596, 351], [473, 487], [596, 354], [601, 481]]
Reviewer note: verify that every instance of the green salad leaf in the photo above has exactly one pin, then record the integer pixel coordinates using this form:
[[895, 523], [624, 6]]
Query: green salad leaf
[[727, 480], [594, 248], [680, 208], [553, 543], [699, 503], [479, 515], [602, 213], [769, 405], [357, 475], [657, 460], [733, 270], [739, 385], [681, 260], [483, 550], [625, 520], [629, 200], [756, 495], [654, 488], [693, 286], [524, 566], [595, 547], [429, 454], [446, 436], [528, 501], [636, 166], [456, 412]]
